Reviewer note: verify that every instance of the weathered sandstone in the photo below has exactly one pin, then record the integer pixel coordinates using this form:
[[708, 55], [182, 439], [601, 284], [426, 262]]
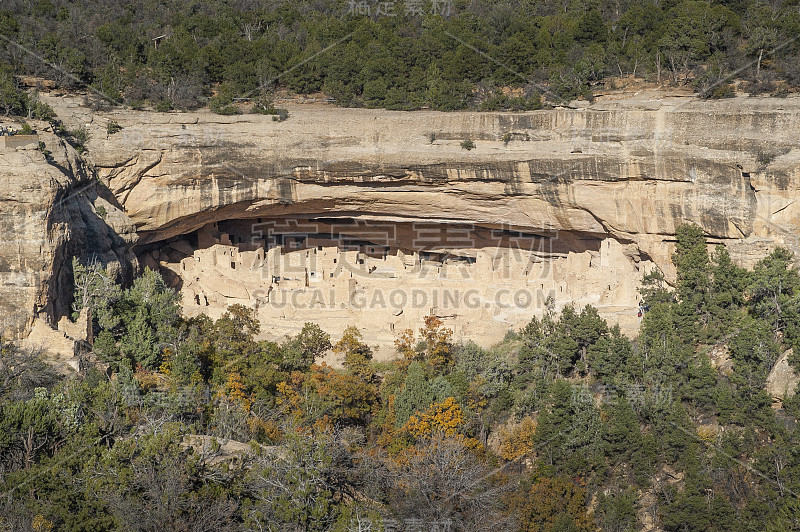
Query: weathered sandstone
[[631, 169], [783, 380], [627, 171], [48, 214]]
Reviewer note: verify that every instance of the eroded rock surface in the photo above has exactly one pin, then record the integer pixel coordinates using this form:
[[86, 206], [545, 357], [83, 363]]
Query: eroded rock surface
[[628, 171], [783, 380], [48, 214], [632, 170]]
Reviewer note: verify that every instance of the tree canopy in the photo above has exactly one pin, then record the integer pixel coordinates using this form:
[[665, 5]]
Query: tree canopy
[[443, 54]]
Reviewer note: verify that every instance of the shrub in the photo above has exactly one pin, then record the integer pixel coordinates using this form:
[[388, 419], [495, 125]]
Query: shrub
[[223, 109], [40, 110], [222, 102], [280, 115], [764, 159], [724, 90], [518, 440], [26, 129], [759, 86], [781, 92], [79, 138], [43, 148], [467, 145], [112, 127], [13, 100], [163, 106], [263, 106], [495, 103]]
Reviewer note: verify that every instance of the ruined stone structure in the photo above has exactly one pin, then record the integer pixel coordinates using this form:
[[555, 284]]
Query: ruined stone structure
[[386, 277], [18, 141], [607, 184]]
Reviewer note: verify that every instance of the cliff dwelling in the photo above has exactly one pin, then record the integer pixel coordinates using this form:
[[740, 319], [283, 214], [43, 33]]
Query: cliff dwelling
[[387, 274]]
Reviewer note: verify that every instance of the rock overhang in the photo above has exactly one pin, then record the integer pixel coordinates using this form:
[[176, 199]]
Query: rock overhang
[[629, 171]]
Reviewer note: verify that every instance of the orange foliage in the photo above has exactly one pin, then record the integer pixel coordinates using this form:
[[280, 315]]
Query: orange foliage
[[289, 399], [351, 340], [437, 341], [549, 501], [234, 390], [166, 364], [443, 417], [518, 441], [405, 345], [147, 380], [347, 397], [41, 524], [341, 397], [357, 354], [323, 425], [264, 429], [387, 431]]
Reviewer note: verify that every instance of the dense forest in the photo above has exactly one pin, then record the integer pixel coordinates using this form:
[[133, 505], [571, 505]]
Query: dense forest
[[566, 425], [396, 54]]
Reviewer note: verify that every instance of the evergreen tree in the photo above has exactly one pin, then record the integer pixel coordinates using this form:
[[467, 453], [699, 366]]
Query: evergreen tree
[[415, 396], [621, 432], [775, 293], [694, 280], [729, 284], [617, 510], [357, 354], [301, 351], [609, 357], [140, 320], [568, 436]]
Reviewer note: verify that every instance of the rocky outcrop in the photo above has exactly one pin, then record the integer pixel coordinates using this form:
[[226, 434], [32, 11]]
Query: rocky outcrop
[[51, 209], [783, 380], [628, 170], [631, 169], [62, 347]]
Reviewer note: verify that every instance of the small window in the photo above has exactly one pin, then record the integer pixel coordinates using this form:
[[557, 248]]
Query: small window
[[331, 276], [233, 265]]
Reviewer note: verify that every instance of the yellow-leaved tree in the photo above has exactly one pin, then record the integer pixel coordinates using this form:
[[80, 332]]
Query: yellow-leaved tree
[[518, 441], [445, 417]]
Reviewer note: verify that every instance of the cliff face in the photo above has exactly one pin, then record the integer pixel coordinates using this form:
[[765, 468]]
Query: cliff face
[[628, 170], [48, 214], [632, 169]]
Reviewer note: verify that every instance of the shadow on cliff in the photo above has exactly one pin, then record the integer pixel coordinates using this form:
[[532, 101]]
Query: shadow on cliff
[[96, 228]]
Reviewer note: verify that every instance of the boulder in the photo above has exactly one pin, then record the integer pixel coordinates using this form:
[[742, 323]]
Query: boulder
[[783, 379]]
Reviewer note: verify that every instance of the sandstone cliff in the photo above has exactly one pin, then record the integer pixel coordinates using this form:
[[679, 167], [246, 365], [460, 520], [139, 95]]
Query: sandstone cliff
[[48, 214], [631, 169]]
